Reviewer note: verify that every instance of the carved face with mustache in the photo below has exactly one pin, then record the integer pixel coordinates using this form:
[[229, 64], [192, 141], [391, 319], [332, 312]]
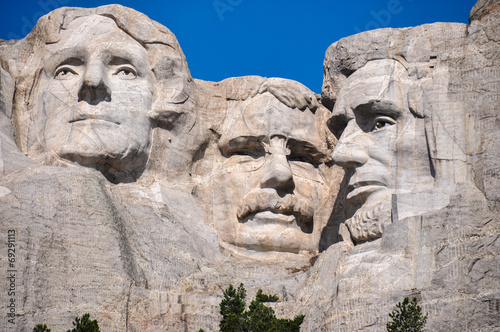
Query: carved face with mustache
[[272, 184], [263, 210]]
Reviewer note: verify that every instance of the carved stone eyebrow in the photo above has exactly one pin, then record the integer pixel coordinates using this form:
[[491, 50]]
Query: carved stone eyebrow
[[241, 142], [72, 56], [376, 106], [118, 60], [71, 61], [135, 55], [305, 148]]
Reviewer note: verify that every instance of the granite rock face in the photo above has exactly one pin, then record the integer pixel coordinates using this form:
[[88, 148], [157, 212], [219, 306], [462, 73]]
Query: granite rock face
[[136, 193], [267, 181], [415, 113]]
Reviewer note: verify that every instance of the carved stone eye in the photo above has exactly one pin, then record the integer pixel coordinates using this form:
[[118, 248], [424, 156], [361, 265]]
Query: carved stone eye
[[126, 73], [301, 157], [64, 73], [253, 152], [381, 122]]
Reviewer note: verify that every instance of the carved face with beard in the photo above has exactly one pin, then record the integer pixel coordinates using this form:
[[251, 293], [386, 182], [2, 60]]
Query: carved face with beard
[[272, 191], [382, 145]]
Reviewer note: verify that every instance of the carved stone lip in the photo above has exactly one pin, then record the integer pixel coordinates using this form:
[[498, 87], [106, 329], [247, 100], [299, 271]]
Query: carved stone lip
[[102, 117], [275, 217], [271, 217], [363, 188], [248, 214]]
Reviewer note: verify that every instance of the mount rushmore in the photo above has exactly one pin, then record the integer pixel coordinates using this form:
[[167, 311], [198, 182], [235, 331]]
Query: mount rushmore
[[137, 193]]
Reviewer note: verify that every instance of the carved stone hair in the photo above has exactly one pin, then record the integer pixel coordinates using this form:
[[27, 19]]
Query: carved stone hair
[[291, 93], [423, 51], [166, 60]]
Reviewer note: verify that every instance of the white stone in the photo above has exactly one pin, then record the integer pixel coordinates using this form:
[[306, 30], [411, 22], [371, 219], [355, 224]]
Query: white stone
[[167, 188]]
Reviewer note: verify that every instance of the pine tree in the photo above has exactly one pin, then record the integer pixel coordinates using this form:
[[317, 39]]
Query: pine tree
[[232, 307], [85, 324], [41, 328], [258, 317], [407, 317]]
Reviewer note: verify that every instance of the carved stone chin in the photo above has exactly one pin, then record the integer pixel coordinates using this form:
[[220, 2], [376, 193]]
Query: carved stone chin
[[89, 94], [368, 222], [271, 183], [386, 186]]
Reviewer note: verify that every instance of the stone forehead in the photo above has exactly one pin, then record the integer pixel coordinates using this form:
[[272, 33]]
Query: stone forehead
[[137, 25], [381, 80], [379, 71], [268, 117], [265, 114], [89, 23], [414, 47], [93, 29]]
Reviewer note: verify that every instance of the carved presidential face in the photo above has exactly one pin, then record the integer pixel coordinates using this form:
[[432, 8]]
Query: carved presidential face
[[382, 145], [98, 88], [272, 180]]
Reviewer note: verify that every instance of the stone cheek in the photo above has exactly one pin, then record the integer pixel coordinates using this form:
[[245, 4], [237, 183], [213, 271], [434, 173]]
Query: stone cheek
[[429, 240], [95, 97], [189, 185]]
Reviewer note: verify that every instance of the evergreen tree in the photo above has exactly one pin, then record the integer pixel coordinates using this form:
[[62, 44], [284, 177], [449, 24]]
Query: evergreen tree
[[232, 307], [41, 328], [265, 298], [258, 317], [407, 317], [288, 325], [85, 324]]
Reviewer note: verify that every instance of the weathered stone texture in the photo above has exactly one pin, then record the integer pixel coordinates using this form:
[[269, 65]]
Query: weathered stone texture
[[138, 194], [439, 240]]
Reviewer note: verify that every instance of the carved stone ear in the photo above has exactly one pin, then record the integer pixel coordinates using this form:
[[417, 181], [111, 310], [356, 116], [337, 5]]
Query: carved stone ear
[[167, 119], [173, 103]]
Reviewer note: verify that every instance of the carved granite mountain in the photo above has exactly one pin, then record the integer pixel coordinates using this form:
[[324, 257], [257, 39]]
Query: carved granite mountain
[[416, 114], [136, 193]]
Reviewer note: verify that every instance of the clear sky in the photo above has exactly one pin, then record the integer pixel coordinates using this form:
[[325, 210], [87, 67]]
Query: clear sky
[[273, 38]]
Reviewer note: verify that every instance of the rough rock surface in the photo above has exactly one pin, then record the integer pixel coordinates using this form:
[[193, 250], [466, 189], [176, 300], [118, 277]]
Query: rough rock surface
[[415, 111], [136, 193]]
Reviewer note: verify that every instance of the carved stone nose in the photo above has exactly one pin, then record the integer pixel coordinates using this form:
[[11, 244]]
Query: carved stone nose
[[94, 74], [94, 88], [348, 152], [349, 155], [277, 172]]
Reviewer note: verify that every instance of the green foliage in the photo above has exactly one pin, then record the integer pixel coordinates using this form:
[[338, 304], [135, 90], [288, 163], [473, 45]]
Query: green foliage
[[232, 323], [85, 324], [265, 298], [41, 328], [258, 317], [232, 307], [407, 317], [288, 325]]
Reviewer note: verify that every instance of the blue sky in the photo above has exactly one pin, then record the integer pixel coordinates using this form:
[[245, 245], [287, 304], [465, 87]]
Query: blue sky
[[274, 38]]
